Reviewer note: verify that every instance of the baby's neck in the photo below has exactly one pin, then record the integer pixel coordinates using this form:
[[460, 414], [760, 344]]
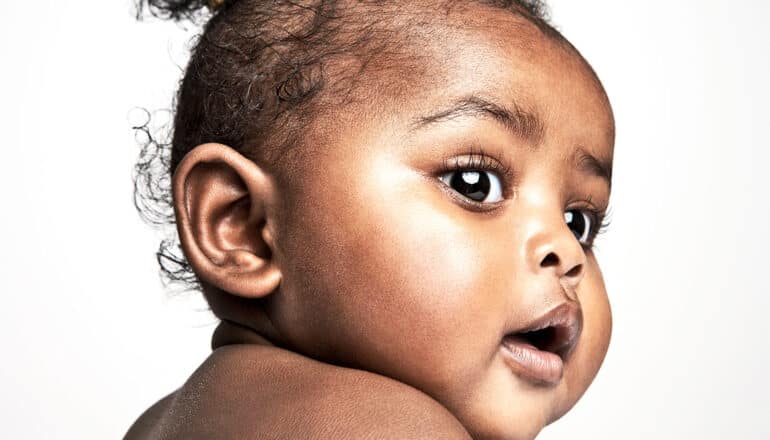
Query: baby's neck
[[243, 320], [230, 333]]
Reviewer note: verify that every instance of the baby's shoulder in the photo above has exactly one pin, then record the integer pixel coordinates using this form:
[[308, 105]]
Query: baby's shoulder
[[252, 391]]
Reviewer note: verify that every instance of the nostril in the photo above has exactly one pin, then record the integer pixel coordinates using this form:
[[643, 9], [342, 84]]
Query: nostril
[[575, 271], [550, 260]]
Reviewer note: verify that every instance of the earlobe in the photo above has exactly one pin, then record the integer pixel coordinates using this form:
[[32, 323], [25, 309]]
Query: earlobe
[[223, 204]]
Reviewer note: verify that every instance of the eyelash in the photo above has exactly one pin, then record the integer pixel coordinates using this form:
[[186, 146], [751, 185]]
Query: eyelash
[[479, 161], [600, 218]]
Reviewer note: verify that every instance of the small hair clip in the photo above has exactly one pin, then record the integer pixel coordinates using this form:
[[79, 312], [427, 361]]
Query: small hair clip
[[215, 4]]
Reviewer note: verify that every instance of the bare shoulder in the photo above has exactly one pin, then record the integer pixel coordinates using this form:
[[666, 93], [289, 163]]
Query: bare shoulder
[[251, 392]]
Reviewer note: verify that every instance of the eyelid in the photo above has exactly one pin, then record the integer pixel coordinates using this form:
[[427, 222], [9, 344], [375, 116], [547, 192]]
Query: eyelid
[[479, 207]]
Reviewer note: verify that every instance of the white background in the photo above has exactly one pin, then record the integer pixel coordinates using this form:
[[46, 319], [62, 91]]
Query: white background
[[90, 339]]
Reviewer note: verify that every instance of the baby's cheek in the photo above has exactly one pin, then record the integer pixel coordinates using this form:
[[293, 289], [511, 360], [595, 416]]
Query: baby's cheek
[[419, 285], [596, 306], [595, 337]]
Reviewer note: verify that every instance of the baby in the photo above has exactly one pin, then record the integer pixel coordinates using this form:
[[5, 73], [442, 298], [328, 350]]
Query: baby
[[391, 207]]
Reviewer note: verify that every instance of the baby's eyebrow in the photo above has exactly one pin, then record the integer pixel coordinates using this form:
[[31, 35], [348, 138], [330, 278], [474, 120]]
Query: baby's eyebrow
[[590, 164], [522, 123]]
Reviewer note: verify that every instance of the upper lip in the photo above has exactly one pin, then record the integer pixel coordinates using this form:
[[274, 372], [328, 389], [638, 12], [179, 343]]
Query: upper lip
[[556, 331]]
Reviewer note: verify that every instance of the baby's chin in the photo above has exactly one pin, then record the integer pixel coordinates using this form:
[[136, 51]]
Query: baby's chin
[[513, 426], [507, 407]]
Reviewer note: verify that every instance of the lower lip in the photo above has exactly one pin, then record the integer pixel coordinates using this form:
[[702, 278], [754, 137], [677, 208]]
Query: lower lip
[[527, 362]]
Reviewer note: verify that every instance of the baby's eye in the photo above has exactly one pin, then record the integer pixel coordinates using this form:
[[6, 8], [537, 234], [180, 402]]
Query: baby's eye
[[580, 223], [477, 185]]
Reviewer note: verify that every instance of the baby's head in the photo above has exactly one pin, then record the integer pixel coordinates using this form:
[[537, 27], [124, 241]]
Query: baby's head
[[406, 187]]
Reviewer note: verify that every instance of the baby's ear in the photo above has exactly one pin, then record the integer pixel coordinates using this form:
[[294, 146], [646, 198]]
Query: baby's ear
[[223, 204]]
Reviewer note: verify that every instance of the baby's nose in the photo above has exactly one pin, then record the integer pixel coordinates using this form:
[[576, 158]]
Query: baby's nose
[[552, 247]]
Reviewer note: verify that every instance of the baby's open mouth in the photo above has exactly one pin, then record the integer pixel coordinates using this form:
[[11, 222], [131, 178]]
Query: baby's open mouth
[[537, 351]]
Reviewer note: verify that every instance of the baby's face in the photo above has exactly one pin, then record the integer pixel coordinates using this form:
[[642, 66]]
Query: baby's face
[[431, 229]]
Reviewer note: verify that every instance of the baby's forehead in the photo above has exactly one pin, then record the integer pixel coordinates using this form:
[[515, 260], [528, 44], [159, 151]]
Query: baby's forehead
[[425, 48], [472, 55], [421, 36], [484, 52]]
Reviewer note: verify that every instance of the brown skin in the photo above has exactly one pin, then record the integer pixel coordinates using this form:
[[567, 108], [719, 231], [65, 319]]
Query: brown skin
[[371, 299]]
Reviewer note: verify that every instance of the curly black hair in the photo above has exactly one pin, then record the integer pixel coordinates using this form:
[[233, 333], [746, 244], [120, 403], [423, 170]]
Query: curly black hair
[[255, 78]]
